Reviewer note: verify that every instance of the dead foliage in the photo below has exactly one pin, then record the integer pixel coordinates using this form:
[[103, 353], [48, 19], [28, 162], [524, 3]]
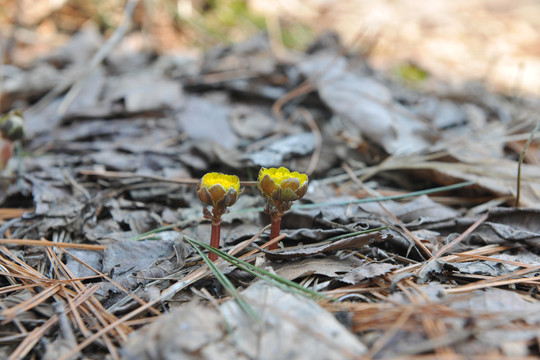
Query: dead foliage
[[93, 260]]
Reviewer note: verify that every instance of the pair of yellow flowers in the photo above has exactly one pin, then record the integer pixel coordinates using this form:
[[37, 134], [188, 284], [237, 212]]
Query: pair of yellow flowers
[[279, 186]]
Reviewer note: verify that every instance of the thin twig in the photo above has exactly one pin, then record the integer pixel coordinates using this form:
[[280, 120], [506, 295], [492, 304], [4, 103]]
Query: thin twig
[[29, 342], [390, 333], [520, 163], [135, 297], [302, 89], [244, 244], [43, 242], [93, 305], [497, 281], [374, 194], [130, 175], [488, 249], [461, 237], [468, 257], [100, 55], [10, 213], [26, 305], [318, 139]]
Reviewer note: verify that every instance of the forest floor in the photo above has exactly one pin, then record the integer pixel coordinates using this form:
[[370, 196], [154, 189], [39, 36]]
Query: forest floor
[[419, 233]]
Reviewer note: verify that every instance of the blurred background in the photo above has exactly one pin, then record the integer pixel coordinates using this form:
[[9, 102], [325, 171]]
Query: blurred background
[[495, 42]]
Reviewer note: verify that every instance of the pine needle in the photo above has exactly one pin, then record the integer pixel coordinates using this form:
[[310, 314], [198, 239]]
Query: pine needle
[[261, 273], [225, 282]]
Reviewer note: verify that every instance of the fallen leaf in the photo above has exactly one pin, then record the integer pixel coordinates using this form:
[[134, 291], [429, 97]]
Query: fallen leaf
[[366, 271], [366, 105], [354, 243], [327, 266], [286, 331], [206, 119], [282, 149]]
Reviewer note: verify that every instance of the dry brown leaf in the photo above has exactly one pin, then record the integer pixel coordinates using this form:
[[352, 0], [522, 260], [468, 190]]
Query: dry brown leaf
[[287, 331], [367, 271], [327, 266], [352, 243]]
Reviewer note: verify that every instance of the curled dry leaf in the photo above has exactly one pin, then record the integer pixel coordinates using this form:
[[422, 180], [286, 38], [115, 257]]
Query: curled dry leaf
[[354, 242]]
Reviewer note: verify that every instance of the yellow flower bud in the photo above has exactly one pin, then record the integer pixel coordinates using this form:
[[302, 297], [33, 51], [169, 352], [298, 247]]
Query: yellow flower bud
[[12, 126], [282, 185], [218, 190]]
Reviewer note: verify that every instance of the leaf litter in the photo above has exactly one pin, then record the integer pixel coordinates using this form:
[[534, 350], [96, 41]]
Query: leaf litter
[[452, 273]]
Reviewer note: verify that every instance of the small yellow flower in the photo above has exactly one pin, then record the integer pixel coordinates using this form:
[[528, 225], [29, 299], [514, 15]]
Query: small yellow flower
[[282, 185], [218, 190]]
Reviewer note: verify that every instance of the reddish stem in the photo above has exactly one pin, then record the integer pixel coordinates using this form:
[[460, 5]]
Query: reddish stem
[[274, 230], [214, 239], [5, 153]]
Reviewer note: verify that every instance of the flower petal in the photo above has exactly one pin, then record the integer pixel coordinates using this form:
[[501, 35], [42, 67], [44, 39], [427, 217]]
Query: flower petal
[[227, 181], [217, 192], [302, 189], [267, 186], [292, 183], [230, 197], [205, 196], [285, 195]]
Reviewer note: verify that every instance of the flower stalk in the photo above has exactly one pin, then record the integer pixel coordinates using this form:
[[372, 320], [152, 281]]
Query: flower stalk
[[274, 230], [215, 236]]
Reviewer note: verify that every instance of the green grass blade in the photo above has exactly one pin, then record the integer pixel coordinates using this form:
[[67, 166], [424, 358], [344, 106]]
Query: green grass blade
[[225, 282], [261, 273], [181, 224], [368, 200], [317, 205], [361, 232], [390, 197]]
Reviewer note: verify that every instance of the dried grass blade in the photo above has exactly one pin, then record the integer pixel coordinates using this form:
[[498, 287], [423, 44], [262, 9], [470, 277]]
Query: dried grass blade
[[33, 337], [468, 257], [402, 226], [43, 242], [11, 213], [94, 305], [29, 304], [389, 334], [520, 162], [461, 237], [81, 326], [476, 286], [167, 293], [488, 249], [496, 281], [100, 274]]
